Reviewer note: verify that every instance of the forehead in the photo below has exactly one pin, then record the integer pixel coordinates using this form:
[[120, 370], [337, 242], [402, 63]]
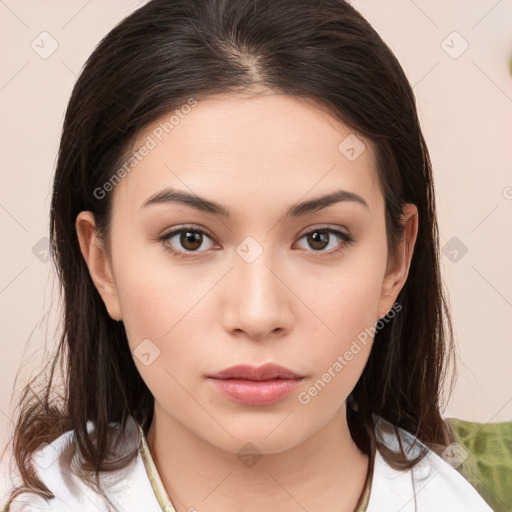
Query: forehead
[[244, 121], [226, 144]]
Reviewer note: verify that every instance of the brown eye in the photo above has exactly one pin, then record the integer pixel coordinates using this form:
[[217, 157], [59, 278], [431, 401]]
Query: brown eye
[[321, 238], [191, 240], [186, 240], [318, 240]]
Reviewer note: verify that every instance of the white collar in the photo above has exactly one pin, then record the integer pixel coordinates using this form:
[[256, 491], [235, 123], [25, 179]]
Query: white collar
[[431, 485]]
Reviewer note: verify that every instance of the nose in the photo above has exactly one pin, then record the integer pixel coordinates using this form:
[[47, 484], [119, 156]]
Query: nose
[[259, 301]]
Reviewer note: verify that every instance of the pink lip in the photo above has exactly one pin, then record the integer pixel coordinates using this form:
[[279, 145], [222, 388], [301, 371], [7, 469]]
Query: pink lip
[[250, 385], [264, 372]]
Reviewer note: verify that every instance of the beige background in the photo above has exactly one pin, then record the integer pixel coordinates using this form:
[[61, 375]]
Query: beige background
[[465, 106]]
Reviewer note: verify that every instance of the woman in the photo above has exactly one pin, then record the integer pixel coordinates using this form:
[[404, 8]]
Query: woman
[[243, 222]]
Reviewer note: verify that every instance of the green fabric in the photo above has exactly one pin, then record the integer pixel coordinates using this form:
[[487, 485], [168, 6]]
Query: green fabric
[[488, 466]]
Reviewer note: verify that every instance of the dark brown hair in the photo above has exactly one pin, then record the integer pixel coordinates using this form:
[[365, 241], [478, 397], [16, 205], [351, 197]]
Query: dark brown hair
[[150, 64]]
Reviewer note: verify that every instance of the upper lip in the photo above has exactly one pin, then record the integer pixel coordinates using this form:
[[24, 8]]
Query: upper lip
[[266, 371]]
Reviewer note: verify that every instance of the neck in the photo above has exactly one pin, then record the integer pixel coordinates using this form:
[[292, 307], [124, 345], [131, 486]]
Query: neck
[[325, 472]]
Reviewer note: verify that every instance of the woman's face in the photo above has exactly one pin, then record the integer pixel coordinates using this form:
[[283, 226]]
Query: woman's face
[[266, 282]]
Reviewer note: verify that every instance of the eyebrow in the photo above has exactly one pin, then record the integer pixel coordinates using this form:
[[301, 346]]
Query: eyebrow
[[170, 195]]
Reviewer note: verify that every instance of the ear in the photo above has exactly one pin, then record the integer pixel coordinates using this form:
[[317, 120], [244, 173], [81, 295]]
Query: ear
[[398, 268], [98, 262]]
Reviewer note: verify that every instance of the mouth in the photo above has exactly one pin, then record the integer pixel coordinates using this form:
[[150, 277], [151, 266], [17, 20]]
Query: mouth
[[268, 371], [250, 385]]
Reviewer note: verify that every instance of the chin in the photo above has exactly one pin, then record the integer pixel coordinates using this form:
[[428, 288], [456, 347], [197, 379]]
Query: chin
[[269, 438]]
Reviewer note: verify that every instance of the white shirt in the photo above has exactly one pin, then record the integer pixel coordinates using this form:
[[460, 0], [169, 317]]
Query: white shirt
[[432, 484]]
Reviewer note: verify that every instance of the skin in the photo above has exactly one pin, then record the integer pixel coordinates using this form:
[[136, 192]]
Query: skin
[[293, 305]]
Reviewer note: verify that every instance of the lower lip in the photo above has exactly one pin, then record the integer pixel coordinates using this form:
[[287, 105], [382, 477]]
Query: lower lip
[[251, 392]]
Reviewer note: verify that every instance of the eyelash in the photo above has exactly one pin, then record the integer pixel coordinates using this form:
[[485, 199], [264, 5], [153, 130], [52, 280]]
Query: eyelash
[[344, 237]]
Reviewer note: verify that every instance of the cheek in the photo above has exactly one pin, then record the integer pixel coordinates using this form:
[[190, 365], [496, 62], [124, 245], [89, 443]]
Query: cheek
[[163, 313], [159, 306], [344, 299], [155, 293], [338, 358], [162, 333], [345, 304]]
